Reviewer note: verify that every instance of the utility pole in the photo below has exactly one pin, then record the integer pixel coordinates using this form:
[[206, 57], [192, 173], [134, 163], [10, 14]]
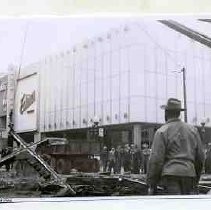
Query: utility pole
[[203, 132], [184, 93]]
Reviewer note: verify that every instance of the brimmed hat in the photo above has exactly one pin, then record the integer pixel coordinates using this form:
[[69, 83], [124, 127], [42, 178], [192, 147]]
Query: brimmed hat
[[173, 104]]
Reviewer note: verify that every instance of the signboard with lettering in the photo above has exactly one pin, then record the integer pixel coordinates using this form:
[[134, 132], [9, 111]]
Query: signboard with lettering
[[26, 104], [101, 132]]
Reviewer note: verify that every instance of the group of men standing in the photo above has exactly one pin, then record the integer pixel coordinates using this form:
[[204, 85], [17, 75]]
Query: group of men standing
[[128, 157]]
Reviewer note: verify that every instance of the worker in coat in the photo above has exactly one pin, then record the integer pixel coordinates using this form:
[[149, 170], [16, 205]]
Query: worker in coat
[[177, 156], [207, 165]]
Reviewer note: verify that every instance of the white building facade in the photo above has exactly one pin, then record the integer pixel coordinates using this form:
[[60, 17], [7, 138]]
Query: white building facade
[[122, 77]]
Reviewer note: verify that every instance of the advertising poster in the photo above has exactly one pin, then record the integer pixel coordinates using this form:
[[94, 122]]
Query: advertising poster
[[26, 104]]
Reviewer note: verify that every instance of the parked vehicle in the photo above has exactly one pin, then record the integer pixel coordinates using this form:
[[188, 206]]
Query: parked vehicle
[[64, 155]]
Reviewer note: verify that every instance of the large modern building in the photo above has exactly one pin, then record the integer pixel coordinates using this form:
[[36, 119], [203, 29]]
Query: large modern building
[[119, 79]]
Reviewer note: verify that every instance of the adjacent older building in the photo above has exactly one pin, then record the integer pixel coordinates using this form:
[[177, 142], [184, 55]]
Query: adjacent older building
[[3, 111]]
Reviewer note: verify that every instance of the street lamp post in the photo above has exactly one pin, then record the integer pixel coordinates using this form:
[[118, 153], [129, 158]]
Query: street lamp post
[[95, 129], [184, 94], [95, 123], [183, 71], [203, 131]]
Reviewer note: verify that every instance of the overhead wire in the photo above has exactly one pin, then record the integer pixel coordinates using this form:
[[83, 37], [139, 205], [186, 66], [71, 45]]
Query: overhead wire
[[23, 48], [19, 67]]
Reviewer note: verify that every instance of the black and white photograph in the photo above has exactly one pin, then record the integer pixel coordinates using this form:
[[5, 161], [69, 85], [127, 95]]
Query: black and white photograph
[[105, 107]]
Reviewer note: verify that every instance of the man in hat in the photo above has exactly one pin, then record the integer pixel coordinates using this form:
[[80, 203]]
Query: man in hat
[[207, 165], [177, 157]]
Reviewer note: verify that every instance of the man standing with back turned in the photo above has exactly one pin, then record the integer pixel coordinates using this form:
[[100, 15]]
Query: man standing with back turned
[[177, 157]]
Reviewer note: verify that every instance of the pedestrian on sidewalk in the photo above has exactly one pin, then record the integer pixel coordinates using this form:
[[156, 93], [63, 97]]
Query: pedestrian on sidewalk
[[136, 157], [112, 160], [104, 158], [119, 159], [146, 154], [127, 159]]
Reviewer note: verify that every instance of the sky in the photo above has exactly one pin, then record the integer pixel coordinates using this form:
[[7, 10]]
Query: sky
[[46, 36]]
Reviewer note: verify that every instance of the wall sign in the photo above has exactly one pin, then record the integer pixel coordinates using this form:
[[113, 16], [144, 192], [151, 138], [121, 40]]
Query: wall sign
[[25, 116], [26, 102]]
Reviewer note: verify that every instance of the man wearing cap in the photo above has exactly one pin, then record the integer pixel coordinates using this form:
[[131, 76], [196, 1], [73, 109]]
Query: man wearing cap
[[176, 159]]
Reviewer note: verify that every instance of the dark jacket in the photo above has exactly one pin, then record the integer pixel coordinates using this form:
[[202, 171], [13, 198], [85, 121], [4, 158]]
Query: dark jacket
[[208, 162], [177, 151], [104, 155]]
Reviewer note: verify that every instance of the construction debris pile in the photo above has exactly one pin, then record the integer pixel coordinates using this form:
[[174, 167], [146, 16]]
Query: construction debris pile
[[82, 184], [102, 185]]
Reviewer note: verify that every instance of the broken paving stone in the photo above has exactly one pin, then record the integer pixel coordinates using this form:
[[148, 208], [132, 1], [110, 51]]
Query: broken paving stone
[[50, 188], [6, 185], [27, 186]]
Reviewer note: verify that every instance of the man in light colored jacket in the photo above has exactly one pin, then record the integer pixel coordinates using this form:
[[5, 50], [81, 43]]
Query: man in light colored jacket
[[112, 160], [177, 156]]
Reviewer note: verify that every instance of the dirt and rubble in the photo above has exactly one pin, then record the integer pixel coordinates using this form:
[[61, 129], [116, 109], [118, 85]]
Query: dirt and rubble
[[84, 184], [107, 185], [12, 185]]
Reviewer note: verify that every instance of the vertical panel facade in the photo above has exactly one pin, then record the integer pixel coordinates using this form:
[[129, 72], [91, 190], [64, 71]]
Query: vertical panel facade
[[124, 76]]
